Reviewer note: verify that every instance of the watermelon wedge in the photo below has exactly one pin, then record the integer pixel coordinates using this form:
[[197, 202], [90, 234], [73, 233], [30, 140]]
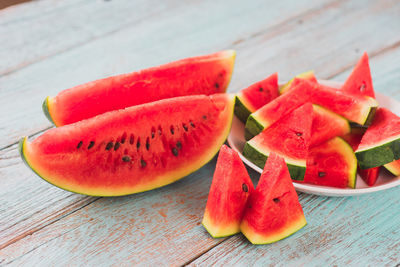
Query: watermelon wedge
[[309, 76], [289, 138], [381, 142], [230, 188], [207, 74], [273, 211], [332, 163], [360, 82], [369, 175], [393, 167], [134, 149], [255, 96], [359, 109]]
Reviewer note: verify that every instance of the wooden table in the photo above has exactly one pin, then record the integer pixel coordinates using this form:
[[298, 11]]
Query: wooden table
[[47, 46]]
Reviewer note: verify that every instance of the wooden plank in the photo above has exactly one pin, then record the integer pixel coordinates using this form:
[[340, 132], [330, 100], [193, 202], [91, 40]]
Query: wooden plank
[[352, 231], [288, 47]]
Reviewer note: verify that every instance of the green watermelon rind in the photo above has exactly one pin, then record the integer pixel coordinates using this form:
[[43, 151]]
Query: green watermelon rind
[[379, 154], [45, 107], [253, 127], [395, 170], [259, 158], [241, 111]]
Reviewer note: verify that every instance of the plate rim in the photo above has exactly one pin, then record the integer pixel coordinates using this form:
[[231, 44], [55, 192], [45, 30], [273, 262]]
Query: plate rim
[[325, 190]]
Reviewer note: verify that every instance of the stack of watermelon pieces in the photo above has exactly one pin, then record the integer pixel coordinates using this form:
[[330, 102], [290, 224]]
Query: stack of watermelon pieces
[[323, 133]]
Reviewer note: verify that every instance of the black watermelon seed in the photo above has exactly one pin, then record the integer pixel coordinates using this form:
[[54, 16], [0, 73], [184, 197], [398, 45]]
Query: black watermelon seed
[[245, 188], [148, 143], [276, 200], [79, 144], [217, 85], [138, 143], [185, 127], [299, 134], [153, 132], [192, 124], [172, 129], [116, 146], [91, 144], [260, 89], [321, 174], [126, 158], [109, 145], [123, 138], [131, 139], [362, 87], [175, 151], [204, 117], [179, 144], [143, 163]]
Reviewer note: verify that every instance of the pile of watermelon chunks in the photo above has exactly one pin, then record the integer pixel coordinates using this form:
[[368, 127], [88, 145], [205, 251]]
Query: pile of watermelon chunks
[[324, 133], [305, 132]]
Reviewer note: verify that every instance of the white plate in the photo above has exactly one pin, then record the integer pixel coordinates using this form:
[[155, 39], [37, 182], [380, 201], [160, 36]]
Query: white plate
[[385, 180]]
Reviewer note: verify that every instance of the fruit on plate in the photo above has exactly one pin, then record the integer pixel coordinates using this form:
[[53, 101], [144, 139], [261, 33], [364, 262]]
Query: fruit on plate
[[273, 211], [360, 82], [359, 109], [230, 188], [332, 163], [354, 137], [134, 149], [369, 175], [255, 96], [289, 138], [381, 142], [393, 167], [308, 75], [207, 74]]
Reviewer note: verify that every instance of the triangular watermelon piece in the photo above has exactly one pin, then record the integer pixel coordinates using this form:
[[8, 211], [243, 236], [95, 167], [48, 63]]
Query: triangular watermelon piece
[[381, 142], [360, 82], [255, 96], [289, 137], [230, 188], [308, 75], [273, 210]]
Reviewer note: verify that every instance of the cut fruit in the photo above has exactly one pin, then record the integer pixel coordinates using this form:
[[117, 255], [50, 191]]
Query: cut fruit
[[289, 138], [327, 125], [360, 82], [359, 109], [393, 167], [255, 96], [332, 163], [308, 75], [381, 142], [369, 175], [208, 74], [354, 137], [230, 188], [273, 211], [134, 149]]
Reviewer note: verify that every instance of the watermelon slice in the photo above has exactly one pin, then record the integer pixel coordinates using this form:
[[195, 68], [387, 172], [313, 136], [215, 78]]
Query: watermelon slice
[[358, 109], [332, 163], [208, 74], [393, 167], [289, 137], [230, 188], [369, 175], [134, 149], [360, 82], [255, 96], [309, 76], [354, 137], [273, 211], [381, 142]]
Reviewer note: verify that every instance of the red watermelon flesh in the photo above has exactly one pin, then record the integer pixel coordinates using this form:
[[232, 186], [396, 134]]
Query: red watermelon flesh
[[369, 175], [332, 163], [354, 137], [360, 82], [134, 149], [208, 74], [309, 76], [273, 211], [230, 188], [260, 93]]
